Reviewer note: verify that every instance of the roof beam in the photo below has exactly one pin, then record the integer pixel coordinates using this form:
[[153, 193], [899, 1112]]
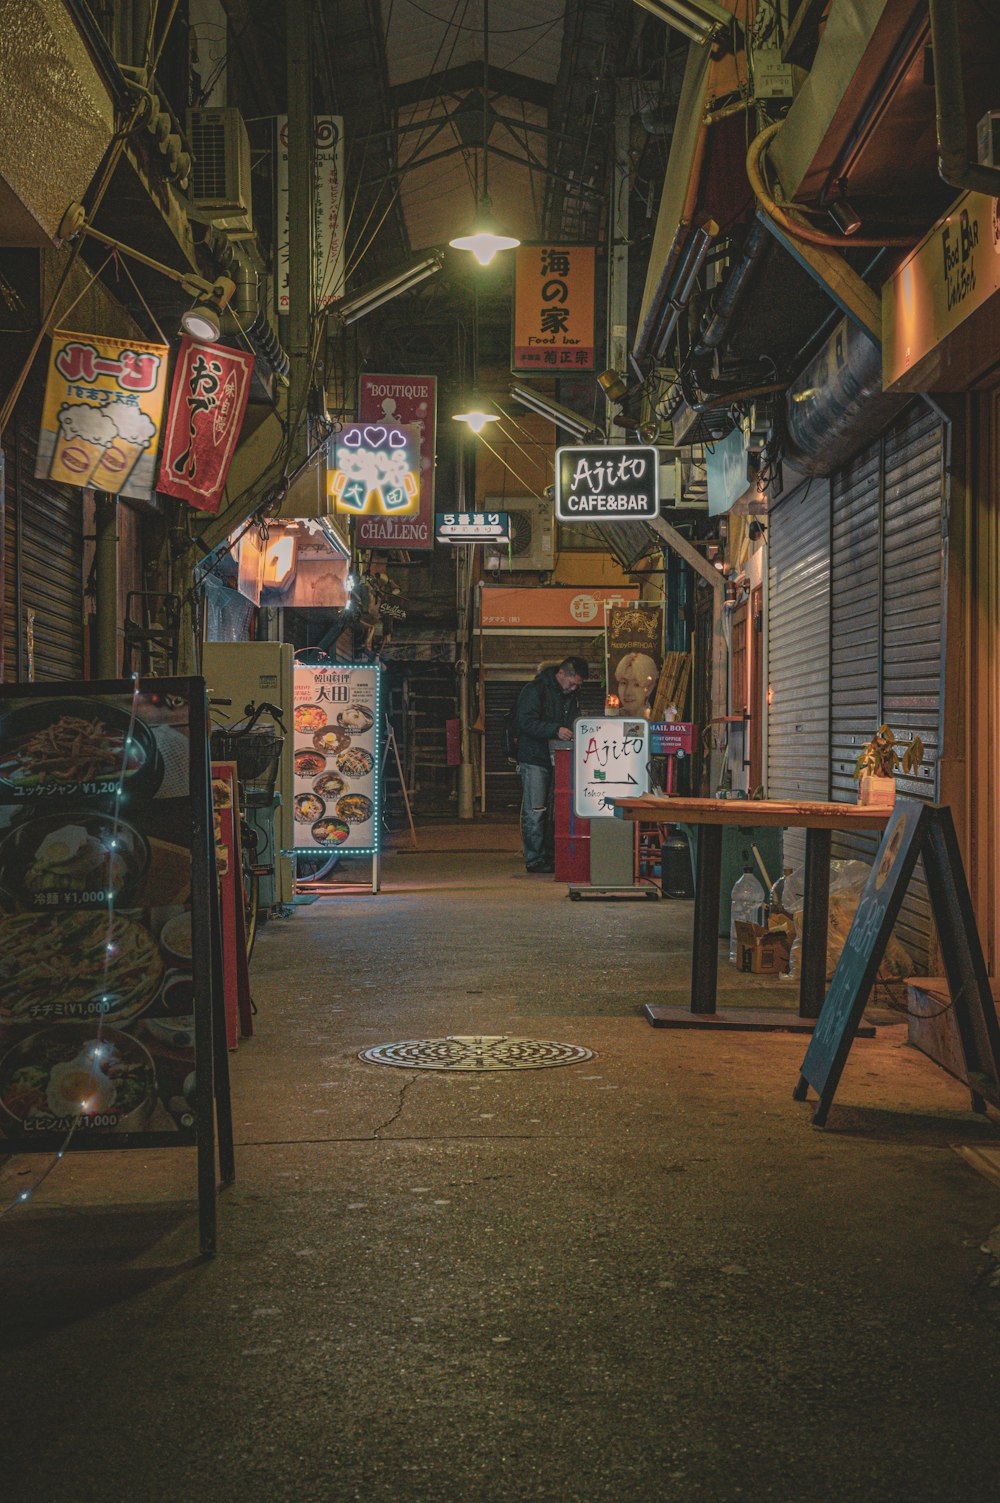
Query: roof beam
[[459, 80]]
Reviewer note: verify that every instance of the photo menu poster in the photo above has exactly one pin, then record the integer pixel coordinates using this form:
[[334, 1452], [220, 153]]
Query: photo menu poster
[[338, 754], [104, 834]]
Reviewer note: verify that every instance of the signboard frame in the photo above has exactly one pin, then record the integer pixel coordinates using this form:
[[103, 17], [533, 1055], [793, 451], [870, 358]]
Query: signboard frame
[[96, 797], [915, 829], [472, 527], [605, 466], [593, 792]]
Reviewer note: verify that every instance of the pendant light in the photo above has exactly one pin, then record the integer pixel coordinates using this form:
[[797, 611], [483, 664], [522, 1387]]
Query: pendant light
[[485, 237], [476, 417]]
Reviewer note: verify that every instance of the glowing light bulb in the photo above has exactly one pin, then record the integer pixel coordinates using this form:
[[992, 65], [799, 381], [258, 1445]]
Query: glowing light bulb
[[476, 419], [484, 244]]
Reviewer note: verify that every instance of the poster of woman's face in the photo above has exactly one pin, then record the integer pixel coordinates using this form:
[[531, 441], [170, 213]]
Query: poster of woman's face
[[635, 677]]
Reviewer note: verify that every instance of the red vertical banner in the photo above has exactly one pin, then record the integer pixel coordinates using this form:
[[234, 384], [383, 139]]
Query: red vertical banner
[[225, 814], [207, 402], [412, 402]]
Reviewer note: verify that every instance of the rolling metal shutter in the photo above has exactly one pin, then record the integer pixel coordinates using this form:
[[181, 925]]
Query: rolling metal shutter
[[798, 644], [886, 648], [44, 548]]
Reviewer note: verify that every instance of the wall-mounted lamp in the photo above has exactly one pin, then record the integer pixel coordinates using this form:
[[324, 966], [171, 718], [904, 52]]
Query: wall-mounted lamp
[[574, 424], [701, 21], [844, 215], [756, 530], [613, 386], [201, 321], [365, 301]]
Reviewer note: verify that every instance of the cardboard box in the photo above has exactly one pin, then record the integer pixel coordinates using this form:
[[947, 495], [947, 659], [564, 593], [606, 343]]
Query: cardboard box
[[763, 952]]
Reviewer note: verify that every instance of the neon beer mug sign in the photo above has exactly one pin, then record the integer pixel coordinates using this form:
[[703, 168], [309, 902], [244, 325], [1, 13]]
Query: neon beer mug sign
[[375, 470]]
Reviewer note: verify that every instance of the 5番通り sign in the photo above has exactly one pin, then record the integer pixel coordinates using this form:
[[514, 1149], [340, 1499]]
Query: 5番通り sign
[[472, 527], [102, 412], [375, 468], [208, 398], [610, 760], [411, 400], [600, 483], [337, 758], [554, 302]]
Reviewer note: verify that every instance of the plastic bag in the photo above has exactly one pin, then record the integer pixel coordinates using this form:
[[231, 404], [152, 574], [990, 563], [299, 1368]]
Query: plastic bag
[[847, 880]]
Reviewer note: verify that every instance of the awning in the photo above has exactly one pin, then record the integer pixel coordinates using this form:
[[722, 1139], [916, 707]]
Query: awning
[[697, 144], [628, 541]]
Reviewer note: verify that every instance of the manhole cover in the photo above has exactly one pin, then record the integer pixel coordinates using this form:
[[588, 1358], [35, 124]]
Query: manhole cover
[[486, 1052]]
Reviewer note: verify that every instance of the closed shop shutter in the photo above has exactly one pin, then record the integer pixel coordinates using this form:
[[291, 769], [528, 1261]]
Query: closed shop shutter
[[44, 543], [886, 614], [798, 725]]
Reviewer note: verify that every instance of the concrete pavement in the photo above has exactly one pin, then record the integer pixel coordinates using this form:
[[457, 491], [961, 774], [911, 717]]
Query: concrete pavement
[[642, 1277]]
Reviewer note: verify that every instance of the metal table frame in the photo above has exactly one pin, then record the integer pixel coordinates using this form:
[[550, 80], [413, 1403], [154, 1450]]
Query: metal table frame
[[819, 820]]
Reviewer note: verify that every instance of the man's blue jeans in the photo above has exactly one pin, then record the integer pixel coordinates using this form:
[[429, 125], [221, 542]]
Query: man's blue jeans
[[537, 832]]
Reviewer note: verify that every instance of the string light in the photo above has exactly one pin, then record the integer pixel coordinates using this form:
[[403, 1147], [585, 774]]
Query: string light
[[99, 1049]]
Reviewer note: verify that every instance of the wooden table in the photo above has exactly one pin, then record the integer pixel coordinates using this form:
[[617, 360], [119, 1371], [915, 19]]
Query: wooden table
[[819, 820]]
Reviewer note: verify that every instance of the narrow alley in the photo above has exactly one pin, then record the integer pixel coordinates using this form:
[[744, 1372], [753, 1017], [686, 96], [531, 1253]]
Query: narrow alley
[[642, 1276]]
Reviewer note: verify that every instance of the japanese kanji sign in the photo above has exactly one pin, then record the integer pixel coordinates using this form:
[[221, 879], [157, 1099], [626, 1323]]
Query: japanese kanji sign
[[472, 527], [102, 412], [554, 308], [207, 403], [374, 468], [411, 400], [328, 212], [610, 758]]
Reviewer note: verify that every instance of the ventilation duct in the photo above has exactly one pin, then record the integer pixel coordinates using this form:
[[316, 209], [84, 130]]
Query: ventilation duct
[[837, 404]]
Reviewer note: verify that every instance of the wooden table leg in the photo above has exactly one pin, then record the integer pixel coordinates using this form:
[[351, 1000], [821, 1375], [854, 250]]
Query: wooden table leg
[[705, 949], [815, 920]]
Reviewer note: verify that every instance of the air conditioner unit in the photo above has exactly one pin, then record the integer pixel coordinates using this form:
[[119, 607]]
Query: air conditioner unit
[[220, 177], [532, 534]]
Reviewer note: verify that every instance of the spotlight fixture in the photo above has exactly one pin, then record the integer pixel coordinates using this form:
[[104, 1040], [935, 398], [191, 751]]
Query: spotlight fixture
[[367, 299], [844, 215], [613, 386], [201, 321], [572, 422], [648, 433], [701, 21]]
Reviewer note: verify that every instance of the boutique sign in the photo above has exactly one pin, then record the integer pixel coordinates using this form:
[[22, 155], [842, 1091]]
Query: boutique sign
[[603, 484]]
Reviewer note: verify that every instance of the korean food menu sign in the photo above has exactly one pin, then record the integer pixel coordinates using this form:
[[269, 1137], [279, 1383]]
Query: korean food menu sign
[[338, 752], [101, 850]]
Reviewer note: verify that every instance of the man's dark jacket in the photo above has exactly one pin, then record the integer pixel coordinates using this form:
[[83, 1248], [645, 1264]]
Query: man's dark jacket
[[542, 708]]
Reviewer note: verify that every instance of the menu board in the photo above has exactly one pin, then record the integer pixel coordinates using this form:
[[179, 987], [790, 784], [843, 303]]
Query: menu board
[[610, 760], [337, 757], [105, 984]]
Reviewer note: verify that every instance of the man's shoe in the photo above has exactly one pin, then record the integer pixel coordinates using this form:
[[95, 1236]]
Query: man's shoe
[[543, 866]]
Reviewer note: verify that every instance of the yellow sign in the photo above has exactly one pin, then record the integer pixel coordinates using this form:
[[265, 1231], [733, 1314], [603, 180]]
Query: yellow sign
[[102, 414], [949, 276], [553, 308]]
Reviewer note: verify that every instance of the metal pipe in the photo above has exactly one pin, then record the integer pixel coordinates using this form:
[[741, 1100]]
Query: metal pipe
[[954, 166], [735, 284], [837, 404], [106, 584]]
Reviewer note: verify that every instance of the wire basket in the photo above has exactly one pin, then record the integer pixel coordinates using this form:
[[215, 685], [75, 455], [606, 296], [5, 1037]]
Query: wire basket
[[256, 754]]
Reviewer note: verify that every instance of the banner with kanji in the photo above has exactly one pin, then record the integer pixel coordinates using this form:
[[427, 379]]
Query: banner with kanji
[[207, 402], [554, 307], [102, 413]]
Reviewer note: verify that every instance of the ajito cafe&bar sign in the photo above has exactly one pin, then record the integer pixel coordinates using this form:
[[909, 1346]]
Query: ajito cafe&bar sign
[[598, 483]]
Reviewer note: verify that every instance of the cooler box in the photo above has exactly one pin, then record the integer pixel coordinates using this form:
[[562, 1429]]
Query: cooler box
[[572, 857]]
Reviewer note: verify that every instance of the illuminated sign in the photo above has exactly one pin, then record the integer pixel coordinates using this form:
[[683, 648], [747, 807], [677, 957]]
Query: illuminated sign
[[375, 470], [604, 484], [554, 301], [473, 527]]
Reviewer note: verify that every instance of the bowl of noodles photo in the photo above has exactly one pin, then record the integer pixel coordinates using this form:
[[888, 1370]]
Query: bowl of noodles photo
[[76, 967], [356, 719], [308, 764], [73, 860], [60, 746], [329, 739], [102, 1080], [308, 807]]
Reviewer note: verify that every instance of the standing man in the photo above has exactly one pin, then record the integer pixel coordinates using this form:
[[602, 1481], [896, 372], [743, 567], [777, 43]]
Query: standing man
[[546, 709]]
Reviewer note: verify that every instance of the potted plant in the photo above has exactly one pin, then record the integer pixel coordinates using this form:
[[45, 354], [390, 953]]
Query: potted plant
[[879, 761]]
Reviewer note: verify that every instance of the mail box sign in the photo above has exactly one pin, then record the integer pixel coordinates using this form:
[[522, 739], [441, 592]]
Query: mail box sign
[[602, 484]]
